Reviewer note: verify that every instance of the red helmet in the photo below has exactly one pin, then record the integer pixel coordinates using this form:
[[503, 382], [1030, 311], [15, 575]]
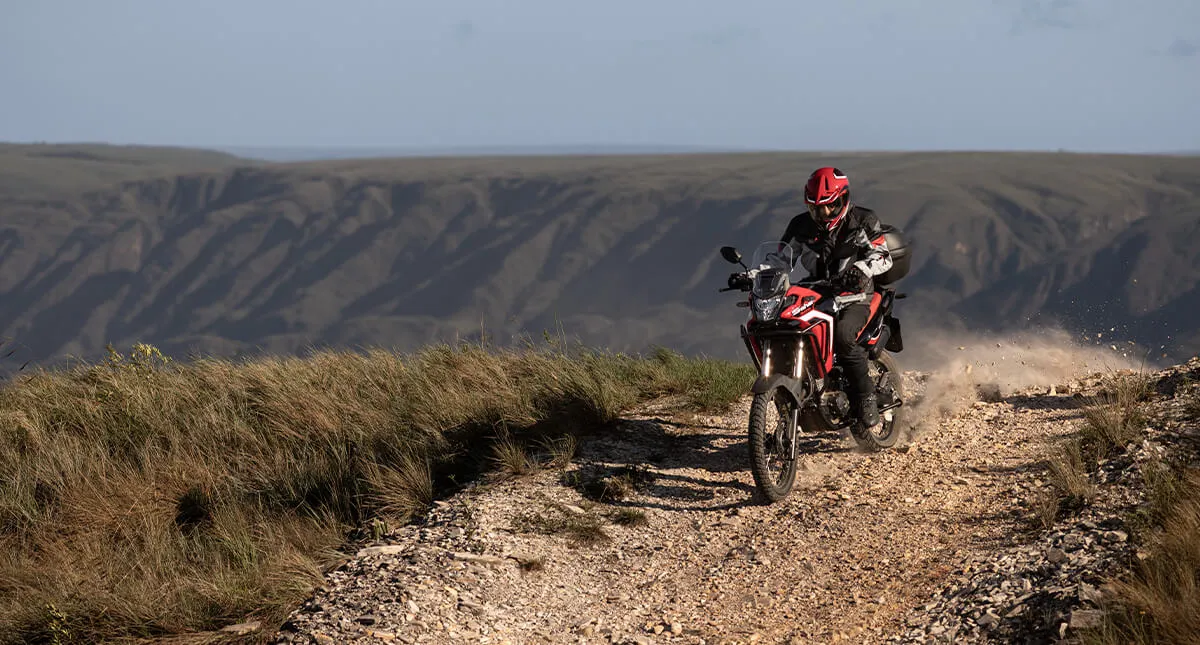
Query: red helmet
[[827, 194]]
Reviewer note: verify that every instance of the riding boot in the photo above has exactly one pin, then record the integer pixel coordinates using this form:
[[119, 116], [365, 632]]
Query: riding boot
[[856, 363], [868, 410], [862, 390]]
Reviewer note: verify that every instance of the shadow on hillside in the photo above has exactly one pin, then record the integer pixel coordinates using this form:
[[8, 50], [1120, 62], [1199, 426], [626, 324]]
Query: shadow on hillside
[[679, 467]]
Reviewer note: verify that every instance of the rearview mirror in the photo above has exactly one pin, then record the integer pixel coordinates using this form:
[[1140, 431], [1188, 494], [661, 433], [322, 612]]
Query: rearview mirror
[[731, 255]]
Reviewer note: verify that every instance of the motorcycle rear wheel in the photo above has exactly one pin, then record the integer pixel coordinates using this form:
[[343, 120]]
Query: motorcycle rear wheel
[[770, 444], [887, 380]]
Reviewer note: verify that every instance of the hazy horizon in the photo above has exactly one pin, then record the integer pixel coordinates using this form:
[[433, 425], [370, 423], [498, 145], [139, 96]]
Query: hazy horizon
[[761, 75], [317, 153]]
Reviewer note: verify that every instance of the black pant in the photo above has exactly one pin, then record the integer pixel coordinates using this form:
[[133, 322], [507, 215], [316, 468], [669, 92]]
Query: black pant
[[852, 356]]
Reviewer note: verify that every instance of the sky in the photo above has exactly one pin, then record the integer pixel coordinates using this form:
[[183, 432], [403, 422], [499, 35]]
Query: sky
[[1082, 75]]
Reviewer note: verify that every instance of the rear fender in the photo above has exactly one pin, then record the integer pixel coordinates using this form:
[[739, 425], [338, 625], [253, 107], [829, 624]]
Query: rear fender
[[792, 386]]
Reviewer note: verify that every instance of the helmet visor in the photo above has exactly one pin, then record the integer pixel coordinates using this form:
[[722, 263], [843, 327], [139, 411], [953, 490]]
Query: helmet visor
[[827, 212]]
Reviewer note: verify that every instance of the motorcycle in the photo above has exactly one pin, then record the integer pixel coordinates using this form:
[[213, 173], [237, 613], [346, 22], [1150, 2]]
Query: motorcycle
[[789, 336]]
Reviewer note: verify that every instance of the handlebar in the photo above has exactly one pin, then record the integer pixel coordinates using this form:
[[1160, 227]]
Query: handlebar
[[840, 302]]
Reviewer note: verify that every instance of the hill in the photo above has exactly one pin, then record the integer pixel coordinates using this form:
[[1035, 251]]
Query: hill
[[619, 251], [57, 170], [288, 154]]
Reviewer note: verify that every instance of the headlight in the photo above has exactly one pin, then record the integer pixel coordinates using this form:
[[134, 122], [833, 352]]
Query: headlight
[[767, 308]]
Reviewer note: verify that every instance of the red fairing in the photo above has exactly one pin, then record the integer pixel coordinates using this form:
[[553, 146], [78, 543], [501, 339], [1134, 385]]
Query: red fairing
[[819, 325], [793, 312], [822, 345]]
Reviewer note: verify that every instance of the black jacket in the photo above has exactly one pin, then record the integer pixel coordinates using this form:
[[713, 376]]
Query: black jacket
[[857, 241]]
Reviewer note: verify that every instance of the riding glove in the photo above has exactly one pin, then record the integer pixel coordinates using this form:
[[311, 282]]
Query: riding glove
[[854, 280]]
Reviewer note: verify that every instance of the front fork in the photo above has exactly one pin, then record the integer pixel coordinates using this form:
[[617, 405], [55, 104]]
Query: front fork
[[793, 423], [798, 374]]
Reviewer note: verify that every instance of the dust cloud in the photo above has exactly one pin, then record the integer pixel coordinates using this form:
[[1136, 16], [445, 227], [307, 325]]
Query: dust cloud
[[956, 369]]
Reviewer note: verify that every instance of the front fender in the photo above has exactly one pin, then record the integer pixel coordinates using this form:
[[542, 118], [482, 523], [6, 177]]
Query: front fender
[[792, 386]]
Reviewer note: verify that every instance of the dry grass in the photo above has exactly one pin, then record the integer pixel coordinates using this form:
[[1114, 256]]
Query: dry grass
[[513, 458], [708, 384], [580, 530], [1070, 486], [1112, 419], [1117, 415], [1158, 601], [141, 498], [1045, 508], [559, 451]]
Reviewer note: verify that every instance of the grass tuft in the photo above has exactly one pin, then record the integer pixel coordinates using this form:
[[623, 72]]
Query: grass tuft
[[580, 530], [1158, 601], [1113, 419], [510, 457]]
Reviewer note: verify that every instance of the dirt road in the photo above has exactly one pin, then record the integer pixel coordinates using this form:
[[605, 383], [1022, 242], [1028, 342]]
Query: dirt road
[[689, 556]]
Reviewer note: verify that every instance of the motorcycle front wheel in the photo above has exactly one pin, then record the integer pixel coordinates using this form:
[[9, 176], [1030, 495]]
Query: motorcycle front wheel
[[772, 431]]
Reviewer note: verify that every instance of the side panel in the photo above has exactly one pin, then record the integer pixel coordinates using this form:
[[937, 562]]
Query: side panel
[[820, 325], [801, 299]]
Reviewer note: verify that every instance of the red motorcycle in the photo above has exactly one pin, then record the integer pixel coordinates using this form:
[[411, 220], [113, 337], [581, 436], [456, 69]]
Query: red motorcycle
[[799, 387]]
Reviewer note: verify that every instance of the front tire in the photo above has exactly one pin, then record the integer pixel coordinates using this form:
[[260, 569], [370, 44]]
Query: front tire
[[771, 435], [889, 388]]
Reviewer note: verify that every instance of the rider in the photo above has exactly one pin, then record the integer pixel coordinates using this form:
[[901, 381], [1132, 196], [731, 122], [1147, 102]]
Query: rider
[[843, 242]]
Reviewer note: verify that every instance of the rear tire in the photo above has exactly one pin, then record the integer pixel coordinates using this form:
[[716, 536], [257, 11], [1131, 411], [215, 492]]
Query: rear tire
[[770, 453], [889, 387]]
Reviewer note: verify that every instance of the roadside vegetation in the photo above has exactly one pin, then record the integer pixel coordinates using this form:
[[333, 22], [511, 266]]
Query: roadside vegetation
[[142, 498], [1113, 419], [1158, 599]]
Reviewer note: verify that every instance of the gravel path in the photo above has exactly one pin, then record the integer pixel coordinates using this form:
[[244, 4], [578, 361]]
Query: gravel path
[[894, 546]]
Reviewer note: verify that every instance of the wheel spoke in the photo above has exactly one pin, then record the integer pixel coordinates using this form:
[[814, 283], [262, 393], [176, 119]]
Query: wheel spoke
[[773, 471]]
